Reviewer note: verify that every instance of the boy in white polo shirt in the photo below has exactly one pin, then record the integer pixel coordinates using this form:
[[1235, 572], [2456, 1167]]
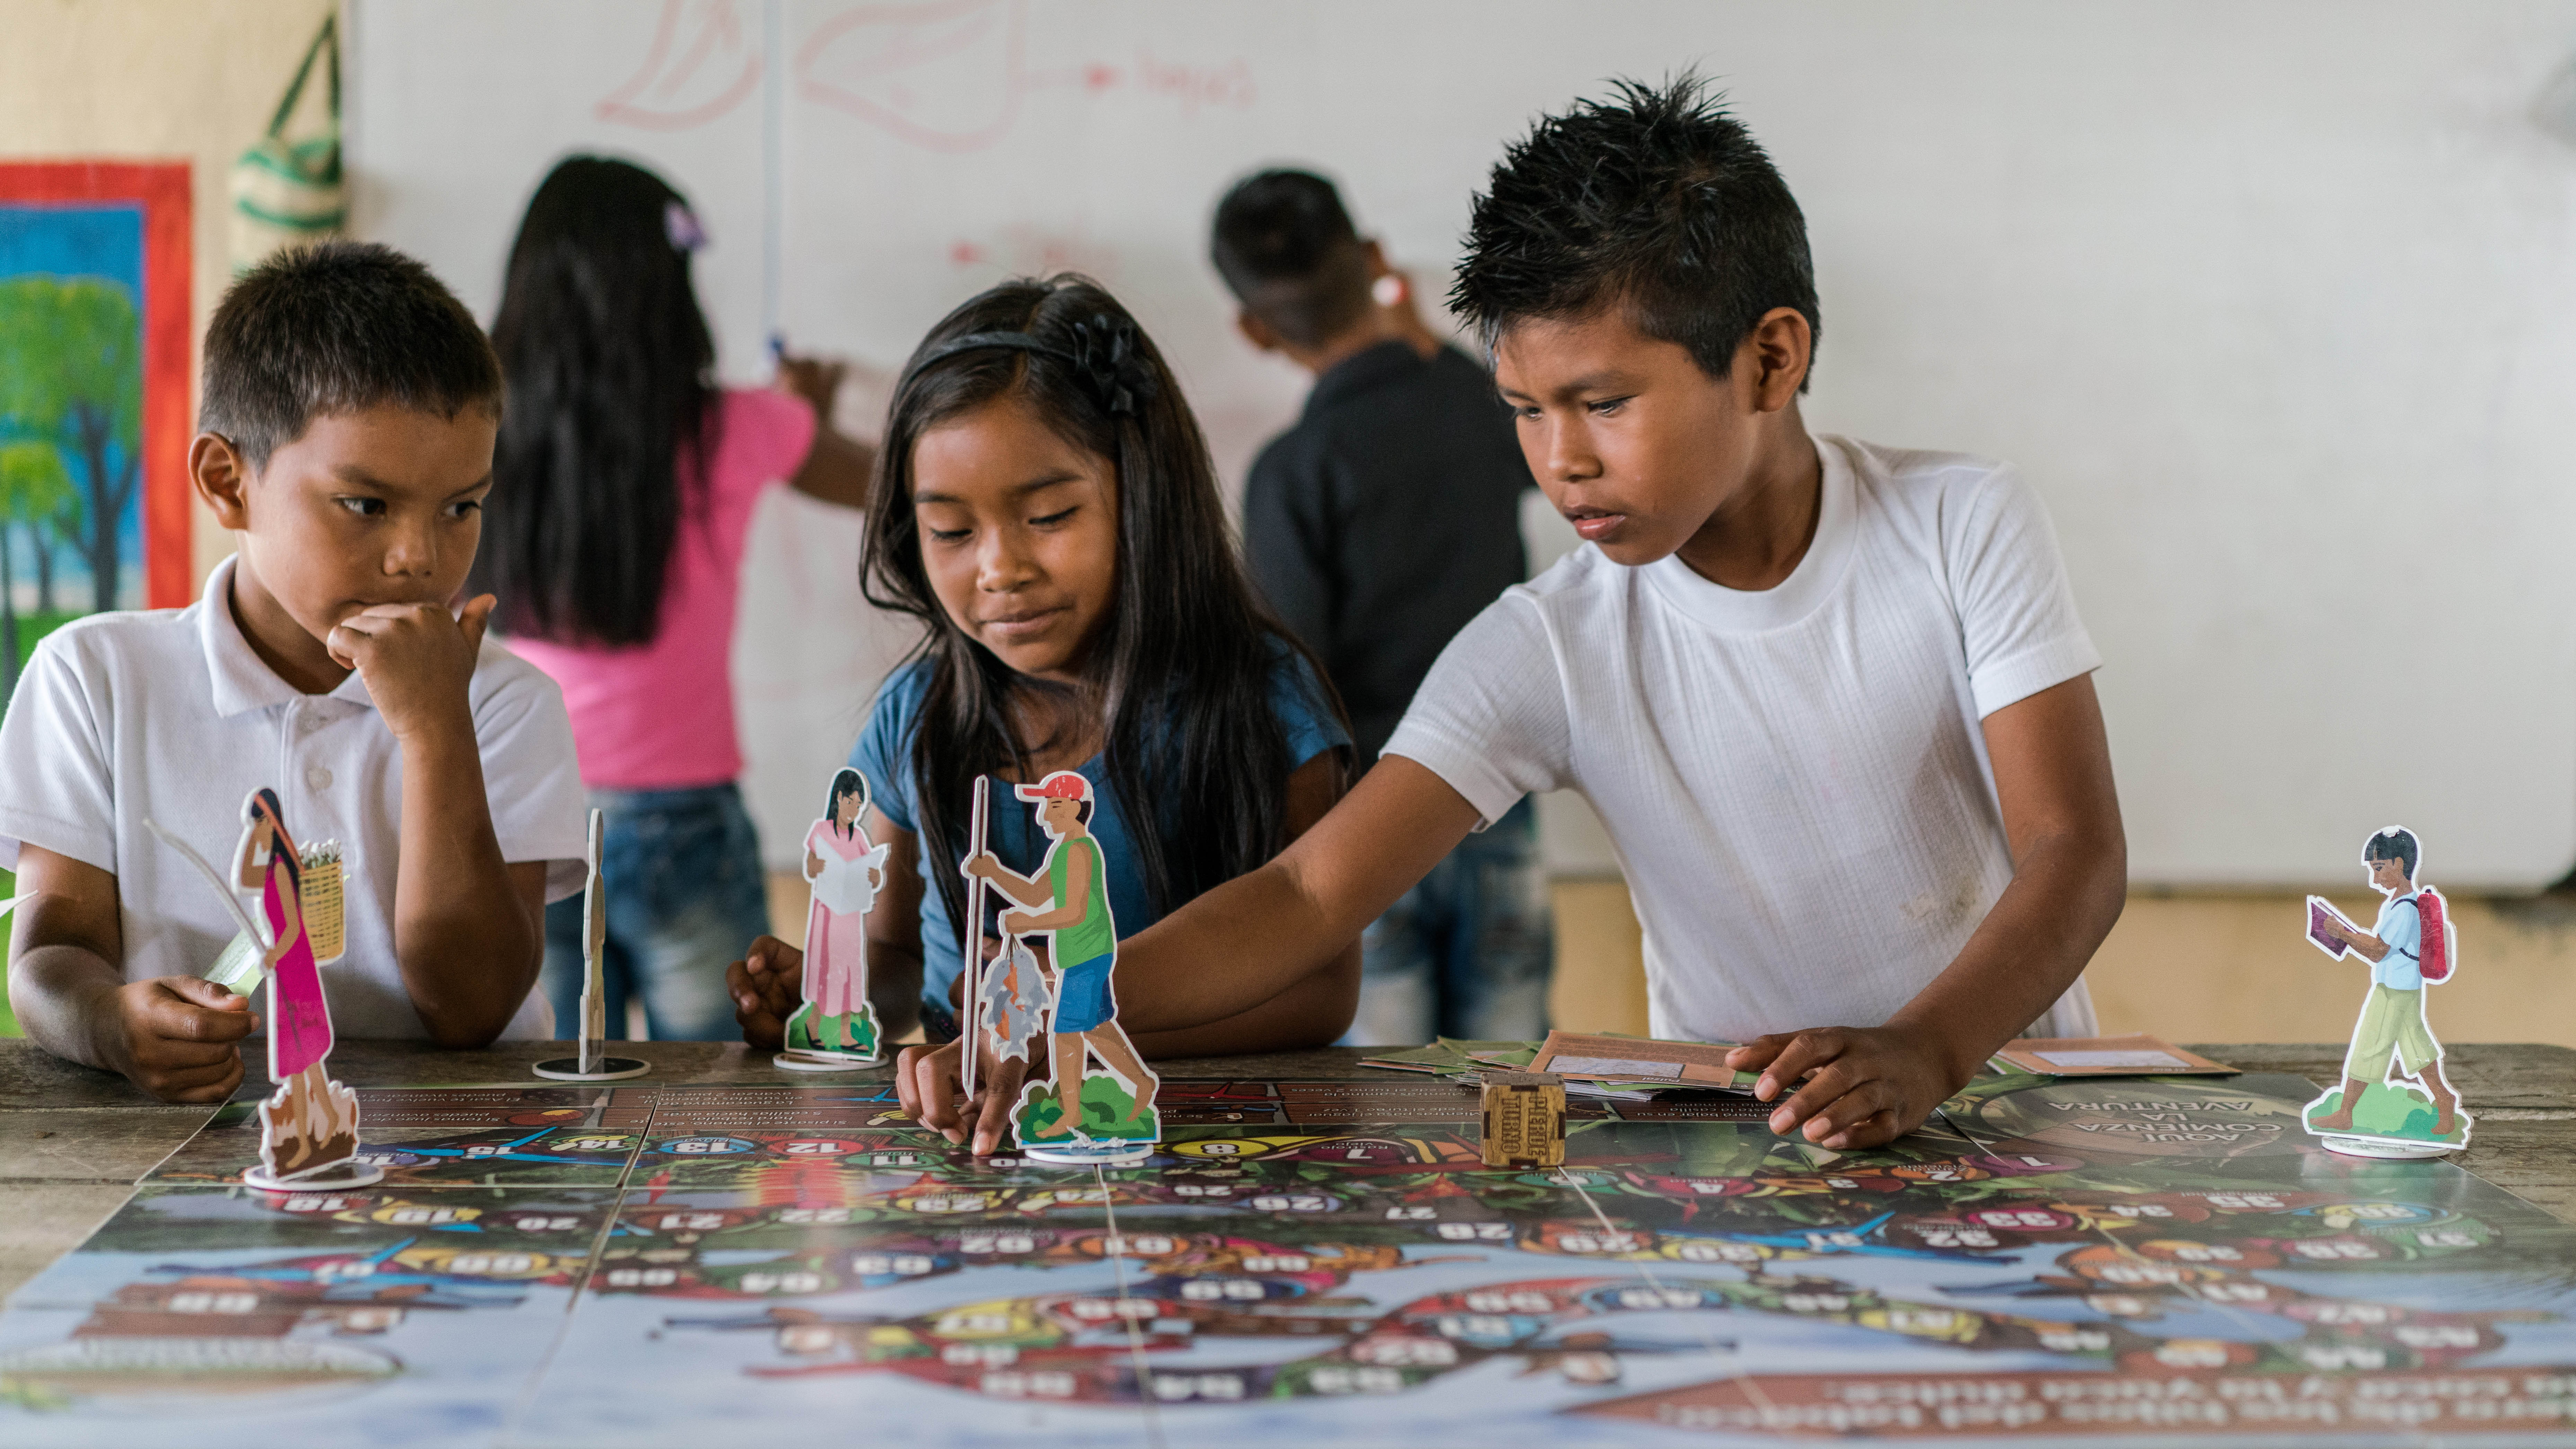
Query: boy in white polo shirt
[[1831, 700], [350, 405]]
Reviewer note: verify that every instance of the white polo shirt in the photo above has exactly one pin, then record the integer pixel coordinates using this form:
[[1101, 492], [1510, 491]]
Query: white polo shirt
[[169, 715], [1794, 778]]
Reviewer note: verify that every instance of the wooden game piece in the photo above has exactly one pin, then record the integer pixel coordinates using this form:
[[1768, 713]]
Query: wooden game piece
[[835, 1030], [308, 1127], [2394, 1100], [1074, 1116], [592, 1064], [1524, 1119]]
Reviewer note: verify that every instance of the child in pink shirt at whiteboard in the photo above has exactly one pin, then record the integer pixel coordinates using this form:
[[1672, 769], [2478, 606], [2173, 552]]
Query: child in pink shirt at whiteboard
[[625, 479]]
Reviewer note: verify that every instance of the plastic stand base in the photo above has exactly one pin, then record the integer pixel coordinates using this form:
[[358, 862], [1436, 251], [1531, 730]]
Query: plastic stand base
[[338, 1177], [1088, 1154], [610, 1069], [797, 1059], [2382, 1147]]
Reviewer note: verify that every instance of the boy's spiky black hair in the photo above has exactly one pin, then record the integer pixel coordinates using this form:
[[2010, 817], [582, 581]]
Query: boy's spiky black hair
[[1656, 200], [2396, 845], [335, 327]]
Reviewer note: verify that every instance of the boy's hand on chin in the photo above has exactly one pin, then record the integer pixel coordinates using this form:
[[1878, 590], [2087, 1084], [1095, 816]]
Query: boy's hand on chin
[[417, 660], [1864, 1085], [176, 1037], [767, 985]]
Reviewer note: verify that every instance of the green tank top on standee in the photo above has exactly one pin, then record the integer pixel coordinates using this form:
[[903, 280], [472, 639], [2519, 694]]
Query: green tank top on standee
[[1094, 935]]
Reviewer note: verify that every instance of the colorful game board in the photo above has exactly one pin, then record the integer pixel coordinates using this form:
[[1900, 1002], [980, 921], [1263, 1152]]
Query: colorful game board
[[1303, 1264]]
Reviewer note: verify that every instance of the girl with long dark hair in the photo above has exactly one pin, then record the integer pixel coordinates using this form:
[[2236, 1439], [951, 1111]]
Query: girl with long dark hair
[[624, 484], [1046, 506]]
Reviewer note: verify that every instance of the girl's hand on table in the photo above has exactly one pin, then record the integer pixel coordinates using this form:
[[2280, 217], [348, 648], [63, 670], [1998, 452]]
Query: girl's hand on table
[[925, 1078], [767, 985]]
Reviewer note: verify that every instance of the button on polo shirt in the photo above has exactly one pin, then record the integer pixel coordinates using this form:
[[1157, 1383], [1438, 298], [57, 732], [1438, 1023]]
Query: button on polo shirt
[[169, 715]]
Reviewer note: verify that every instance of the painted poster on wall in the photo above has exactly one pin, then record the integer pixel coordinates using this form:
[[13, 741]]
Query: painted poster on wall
[[94, 394]]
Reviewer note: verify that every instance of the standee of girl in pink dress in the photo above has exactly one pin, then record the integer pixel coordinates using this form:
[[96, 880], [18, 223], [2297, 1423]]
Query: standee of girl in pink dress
[[846, 871], [310, 1122]]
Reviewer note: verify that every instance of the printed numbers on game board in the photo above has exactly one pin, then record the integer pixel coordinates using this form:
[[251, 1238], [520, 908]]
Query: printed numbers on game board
[[534, 1224], [2336, 1250], [2446, 1238], [1101, 1310], [707, 1146], [214, 1302], [2138, 1210], [1520, 1301], [421, 1216], [2245, 1201], [1046, 1384], [1300, 1202], [1278, 1263], [900, 1265], [1598, 1242], [642, 1277], [1720, 1252], [1181, 1388], [1142, 1245], [492, 1265], [814, 1215], [588, 1144], [2027, 1220], [1474, 1232], [688, 1222], [1334, 1379], [818, 1147], [1211, 1290], [2344, 1356], [1418, 1213], [322, 1203], [782, 1283], [1201, 1189], [1954, 1237], [998, 1243], [2437, 1335], [1406, 1352]]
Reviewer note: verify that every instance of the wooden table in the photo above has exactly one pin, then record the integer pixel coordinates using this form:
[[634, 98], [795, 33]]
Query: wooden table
[[73, 1141]]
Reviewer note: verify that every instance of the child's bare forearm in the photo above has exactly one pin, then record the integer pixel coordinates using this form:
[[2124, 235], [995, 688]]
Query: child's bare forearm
[[2066, 893], [1313, 1012], [463, 937], [61, 993]]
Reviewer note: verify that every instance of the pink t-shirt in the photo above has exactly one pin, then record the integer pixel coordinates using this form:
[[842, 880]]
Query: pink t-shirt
[[659, 716]]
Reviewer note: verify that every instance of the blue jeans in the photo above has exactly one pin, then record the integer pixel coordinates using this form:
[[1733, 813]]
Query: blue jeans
[[685, 896], [1468, 952]]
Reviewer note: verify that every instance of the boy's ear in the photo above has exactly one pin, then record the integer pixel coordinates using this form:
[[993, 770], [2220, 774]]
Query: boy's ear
[[222, 477], [1780, 348], [1256, 331]]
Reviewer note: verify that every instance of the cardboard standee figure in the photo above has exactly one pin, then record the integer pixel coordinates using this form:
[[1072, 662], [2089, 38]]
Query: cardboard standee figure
[[1077, 1115], [2376, 1111], [835, 1029], [308, 1127], [592, 1064]]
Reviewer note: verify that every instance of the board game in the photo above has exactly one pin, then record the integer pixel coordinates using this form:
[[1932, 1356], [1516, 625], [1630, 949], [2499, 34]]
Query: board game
[[1306, 1263]]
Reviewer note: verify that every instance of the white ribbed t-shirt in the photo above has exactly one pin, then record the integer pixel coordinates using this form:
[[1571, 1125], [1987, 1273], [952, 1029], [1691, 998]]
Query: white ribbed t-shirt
[[1794, 779]]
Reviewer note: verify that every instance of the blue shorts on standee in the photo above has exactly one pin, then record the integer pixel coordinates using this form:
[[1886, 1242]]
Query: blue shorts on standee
[[1082, 995]]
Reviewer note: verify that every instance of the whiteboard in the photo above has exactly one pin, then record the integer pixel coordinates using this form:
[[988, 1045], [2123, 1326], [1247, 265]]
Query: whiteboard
[[2274, 304]]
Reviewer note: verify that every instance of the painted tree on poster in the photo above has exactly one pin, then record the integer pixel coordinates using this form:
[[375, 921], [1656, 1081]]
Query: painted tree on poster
[[70, 353], [35, 493]]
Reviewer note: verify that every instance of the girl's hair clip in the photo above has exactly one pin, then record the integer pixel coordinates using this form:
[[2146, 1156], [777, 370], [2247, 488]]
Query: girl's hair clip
[[681, 225]]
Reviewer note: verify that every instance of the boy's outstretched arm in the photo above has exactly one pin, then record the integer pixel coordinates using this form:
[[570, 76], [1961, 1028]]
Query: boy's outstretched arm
[[1254, 938], [176, 1037], [469, 927], [2052, 766]]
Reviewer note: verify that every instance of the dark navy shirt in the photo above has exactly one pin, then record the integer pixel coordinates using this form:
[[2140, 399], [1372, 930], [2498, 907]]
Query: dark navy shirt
[[1385, 520]]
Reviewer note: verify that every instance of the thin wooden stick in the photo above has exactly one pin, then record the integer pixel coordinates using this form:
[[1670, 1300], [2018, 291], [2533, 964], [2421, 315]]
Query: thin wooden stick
[[970, 938]]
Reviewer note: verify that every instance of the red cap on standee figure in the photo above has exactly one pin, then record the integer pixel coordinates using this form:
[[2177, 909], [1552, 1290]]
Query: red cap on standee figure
[[1062, 785]]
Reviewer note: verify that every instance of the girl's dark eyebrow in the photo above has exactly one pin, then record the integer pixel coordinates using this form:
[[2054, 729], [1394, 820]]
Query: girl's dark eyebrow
[[921, 496]]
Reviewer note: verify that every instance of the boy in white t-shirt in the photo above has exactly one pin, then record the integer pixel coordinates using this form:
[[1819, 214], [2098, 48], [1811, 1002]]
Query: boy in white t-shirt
[[1831, 700], [349, 410]]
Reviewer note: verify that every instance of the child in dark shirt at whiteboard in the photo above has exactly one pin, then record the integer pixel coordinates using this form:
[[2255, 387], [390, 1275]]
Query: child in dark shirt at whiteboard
[[624, 484], [1379, 524]]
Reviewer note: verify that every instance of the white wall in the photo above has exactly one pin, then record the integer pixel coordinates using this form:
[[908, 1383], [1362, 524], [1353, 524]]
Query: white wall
[[2272, 302]]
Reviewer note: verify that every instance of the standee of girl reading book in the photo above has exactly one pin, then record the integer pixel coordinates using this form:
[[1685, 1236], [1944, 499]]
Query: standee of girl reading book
[[1078, 1115], [835, 1026]]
